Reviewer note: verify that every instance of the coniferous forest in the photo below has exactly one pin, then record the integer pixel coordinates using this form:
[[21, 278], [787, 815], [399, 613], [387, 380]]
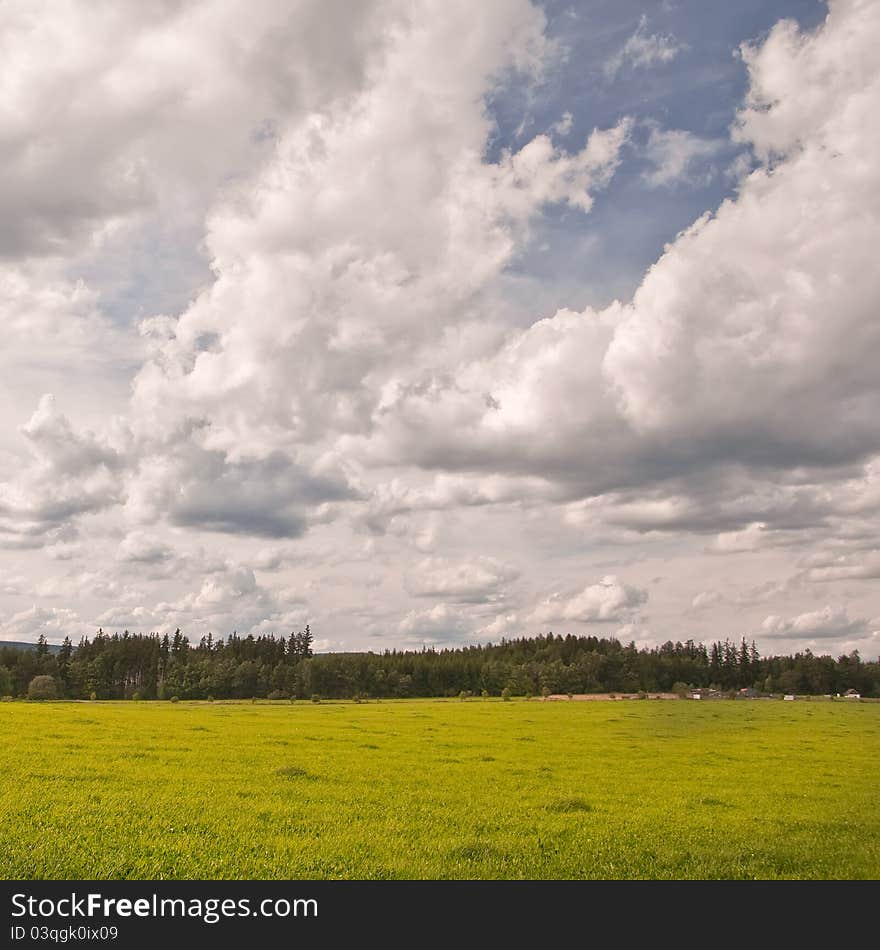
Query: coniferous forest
[[139, 666]]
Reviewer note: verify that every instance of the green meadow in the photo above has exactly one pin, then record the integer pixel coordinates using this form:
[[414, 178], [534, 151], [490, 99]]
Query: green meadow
[[440, 789]]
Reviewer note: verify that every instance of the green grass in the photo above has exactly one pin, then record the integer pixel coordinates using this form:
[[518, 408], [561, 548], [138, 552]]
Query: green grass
[[430, 790]]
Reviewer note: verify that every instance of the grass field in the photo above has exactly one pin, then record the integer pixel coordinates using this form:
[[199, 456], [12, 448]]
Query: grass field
[[430, 790]]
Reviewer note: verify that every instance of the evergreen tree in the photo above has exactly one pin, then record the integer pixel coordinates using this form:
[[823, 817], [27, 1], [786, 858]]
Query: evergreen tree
[[116, 666], [744, 677], [64, 657], [306, 640], [715, 663]]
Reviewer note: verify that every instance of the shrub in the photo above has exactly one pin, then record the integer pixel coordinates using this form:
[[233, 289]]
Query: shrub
[[316, 697], [6, 699], [277, 694], [505, 694], [136, 696], [485, 694], [43, 687], [93, 696], [463, 695], [210, 699], [545, 691], [175, 699]]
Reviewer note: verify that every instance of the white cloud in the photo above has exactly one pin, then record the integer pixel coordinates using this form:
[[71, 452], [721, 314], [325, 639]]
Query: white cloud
[[11, 583], [358, 391], [54, 623], [750, 538], [677, 156], [706, 599], [843, 567], [722, 387], [634, 633], [475, 581], [605, 601], [825, 624], [643, 50], [434, 625], [141, 548], [564, 125], [70, 473], [342, 285], [227, 599], [504, 626], [112, 111]]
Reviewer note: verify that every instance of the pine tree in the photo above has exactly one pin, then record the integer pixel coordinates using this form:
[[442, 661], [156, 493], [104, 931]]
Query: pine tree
[[306, 640], [164, 654], [744, 664], [64, 656], [715, 663]]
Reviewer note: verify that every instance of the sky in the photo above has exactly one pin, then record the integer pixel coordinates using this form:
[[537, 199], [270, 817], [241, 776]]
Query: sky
[[435, 323]]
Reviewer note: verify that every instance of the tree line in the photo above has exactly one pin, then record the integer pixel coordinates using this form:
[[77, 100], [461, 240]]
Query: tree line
[[150, 666]]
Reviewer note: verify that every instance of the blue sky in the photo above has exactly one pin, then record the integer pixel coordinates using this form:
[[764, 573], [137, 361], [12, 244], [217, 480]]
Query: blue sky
[[604, 255]]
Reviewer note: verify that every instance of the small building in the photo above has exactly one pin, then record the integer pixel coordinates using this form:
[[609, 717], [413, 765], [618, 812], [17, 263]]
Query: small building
[[788, 697], [696, 695]]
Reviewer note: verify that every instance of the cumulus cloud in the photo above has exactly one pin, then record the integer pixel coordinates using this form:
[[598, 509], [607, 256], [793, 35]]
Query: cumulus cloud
[[507, 626], [826, 624], [141, 548], [634, 633], [706, 599], [94, 583], [606, 601], [475, 581], [114, 110], [770, 330], [723, 386], [439, 624], [54, 623], [750, 538], [342, 285], [401, 272], [829, 567], [71, 473], [356, 379], [226, 599]]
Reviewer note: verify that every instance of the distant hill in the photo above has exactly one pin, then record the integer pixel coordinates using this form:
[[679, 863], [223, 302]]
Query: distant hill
[[27, 645]]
